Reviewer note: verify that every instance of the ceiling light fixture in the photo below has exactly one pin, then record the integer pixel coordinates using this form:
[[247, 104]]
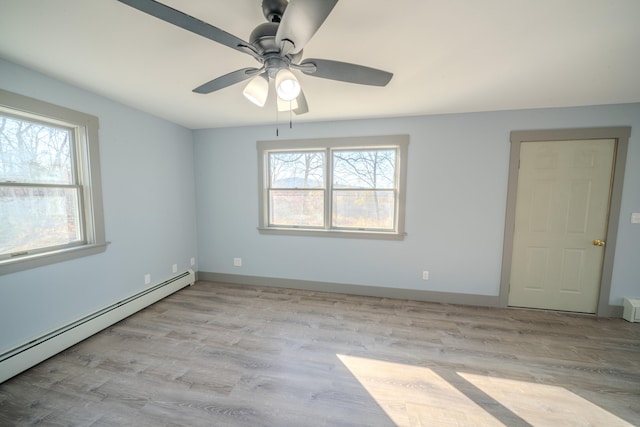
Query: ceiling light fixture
[[287, 86], [257, 90]]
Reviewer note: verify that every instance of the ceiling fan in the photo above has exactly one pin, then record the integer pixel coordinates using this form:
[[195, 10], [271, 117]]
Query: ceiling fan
[[277, 45]]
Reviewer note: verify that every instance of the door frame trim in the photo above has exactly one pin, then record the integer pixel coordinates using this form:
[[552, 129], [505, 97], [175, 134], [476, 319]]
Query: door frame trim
[[621, 136]]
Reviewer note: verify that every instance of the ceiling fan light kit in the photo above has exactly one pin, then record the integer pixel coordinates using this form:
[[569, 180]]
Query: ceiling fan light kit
[[277, 45], [287, 86], [257, 90]]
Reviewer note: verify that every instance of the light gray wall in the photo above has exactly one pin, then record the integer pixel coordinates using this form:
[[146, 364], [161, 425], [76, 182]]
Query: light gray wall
[[149, 206], [457, 179], [456, 199]]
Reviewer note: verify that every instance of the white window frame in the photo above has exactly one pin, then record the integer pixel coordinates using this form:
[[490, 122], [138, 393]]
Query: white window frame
[[86, 161], [398, 142]]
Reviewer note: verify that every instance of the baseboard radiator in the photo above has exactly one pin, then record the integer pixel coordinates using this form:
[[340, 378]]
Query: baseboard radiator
[[23, 357]]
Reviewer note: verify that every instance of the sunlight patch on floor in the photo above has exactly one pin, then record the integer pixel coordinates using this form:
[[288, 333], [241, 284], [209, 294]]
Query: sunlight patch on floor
[[416, 396], [542, 405]]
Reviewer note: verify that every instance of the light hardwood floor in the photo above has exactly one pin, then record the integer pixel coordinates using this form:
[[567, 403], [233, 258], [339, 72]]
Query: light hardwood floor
[[228, 355]]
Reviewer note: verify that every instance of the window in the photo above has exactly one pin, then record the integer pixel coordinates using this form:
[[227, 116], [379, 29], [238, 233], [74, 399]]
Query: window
[[351, 187], [50, 197]]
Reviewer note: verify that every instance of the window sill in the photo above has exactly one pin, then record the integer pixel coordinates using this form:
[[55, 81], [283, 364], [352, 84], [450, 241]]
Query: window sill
[[37, 260], [350, 234]]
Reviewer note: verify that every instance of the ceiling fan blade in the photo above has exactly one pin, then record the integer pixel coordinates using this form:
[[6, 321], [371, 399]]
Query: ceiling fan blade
[[188, 23], [227, 80], [302, 104], [300, 21], [346, 72], [298, 105]]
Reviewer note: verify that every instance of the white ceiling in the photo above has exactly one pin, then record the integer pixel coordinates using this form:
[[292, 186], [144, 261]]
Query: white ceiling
[[447, 56]]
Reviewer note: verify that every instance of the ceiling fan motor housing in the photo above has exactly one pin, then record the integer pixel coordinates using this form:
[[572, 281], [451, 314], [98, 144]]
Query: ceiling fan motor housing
[[263, 39]]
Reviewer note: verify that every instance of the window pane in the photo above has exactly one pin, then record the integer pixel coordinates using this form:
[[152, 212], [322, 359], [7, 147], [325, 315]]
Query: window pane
[[34, 153], [297, 207], [37, 217], [364, 209], [297, 170], [364, 169]]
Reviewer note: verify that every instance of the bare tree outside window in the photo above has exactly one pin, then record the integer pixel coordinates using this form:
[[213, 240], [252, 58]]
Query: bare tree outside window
[[338, 187], [50, 184], [297, 169], [296, 196], [364, 183], [39, 197]]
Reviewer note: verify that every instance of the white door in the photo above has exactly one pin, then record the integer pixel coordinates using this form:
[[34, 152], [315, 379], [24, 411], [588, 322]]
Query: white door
[[562, 207]]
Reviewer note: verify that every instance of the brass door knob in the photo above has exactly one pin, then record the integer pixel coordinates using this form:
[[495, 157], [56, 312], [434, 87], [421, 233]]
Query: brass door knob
[[598, 243]]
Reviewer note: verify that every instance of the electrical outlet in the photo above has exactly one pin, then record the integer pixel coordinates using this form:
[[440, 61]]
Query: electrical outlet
[[237, 262], [193, 261], [425, 275], [147, 279], [174, 268]]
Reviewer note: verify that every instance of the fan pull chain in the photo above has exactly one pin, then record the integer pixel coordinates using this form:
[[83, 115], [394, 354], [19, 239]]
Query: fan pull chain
[[278, 117], [277, 125]]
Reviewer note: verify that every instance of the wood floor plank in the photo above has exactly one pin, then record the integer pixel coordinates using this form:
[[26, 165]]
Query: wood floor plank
[[231, 355]]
